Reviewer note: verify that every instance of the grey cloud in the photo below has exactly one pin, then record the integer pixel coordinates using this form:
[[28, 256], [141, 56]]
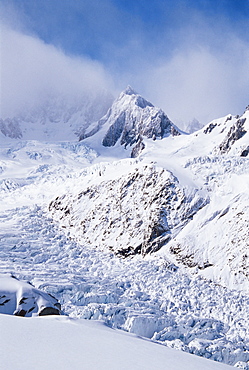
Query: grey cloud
[[32, 70]]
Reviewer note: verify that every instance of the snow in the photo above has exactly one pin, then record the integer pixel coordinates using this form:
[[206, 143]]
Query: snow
[[22, 299], [129, 119], [155, 296], [64, 343], [58, 117], [191, 295]]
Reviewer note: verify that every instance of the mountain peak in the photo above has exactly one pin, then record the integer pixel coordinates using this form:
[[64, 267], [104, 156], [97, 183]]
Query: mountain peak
[[131, 118], [129, 91]]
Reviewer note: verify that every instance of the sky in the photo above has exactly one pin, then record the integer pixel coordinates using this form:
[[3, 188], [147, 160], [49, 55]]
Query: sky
[[189, 57]]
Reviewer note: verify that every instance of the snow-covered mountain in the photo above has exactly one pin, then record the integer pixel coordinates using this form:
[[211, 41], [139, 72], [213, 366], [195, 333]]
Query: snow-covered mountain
[[130, 119], [137, 212], [177, 214], [57, 117], [192, 126], [194, 209]]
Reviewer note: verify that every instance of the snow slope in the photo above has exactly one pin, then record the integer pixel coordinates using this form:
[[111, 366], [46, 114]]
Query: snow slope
[[63, 343]]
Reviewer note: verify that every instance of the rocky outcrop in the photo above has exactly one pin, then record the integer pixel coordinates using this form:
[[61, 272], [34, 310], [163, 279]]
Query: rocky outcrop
[[22, 299], [236, 132], [245, 152], [137, 213]]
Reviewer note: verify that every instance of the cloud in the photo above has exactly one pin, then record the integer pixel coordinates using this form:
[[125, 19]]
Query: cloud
[[202, 84], [32, 70], [204, 75], [188, 59]]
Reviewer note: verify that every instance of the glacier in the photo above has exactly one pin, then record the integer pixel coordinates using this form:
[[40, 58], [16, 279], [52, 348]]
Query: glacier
[[155, 245]]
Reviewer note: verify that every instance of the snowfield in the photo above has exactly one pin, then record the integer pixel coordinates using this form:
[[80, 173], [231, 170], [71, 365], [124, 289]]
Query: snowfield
[[63, 343], [156, 246]]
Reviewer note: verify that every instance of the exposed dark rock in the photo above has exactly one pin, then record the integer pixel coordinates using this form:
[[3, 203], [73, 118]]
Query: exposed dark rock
[[137, 148], [236, 132], [20, 313], [115, 131], [49, 311], [4, 302], [137, 213], [245, 152], [210, 128]]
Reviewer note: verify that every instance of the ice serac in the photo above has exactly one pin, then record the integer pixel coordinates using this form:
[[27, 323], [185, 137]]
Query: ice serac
[[20, 298], [131, 118], [136, 213]]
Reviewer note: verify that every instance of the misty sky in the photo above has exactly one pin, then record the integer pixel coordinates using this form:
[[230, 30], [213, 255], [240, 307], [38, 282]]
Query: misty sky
[[189, 57]]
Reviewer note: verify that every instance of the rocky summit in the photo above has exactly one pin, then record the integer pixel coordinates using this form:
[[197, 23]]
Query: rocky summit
[[130, 119]]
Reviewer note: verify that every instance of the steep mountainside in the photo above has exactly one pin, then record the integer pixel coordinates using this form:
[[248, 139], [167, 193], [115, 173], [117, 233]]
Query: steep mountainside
[[136, 213], [129, 120], [216, 159], [227, 135], [197, 214]]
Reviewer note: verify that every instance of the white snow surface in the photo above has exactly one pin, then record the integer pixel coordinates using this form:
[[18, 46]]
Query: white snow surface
[[191, 295], [64, 343]]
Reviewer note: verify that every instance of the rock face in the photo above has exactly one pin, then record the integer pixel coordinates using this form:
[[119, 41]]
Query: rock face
[[224, 136], [131, 118], [22, 299], [136, 213], [236, 132]]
